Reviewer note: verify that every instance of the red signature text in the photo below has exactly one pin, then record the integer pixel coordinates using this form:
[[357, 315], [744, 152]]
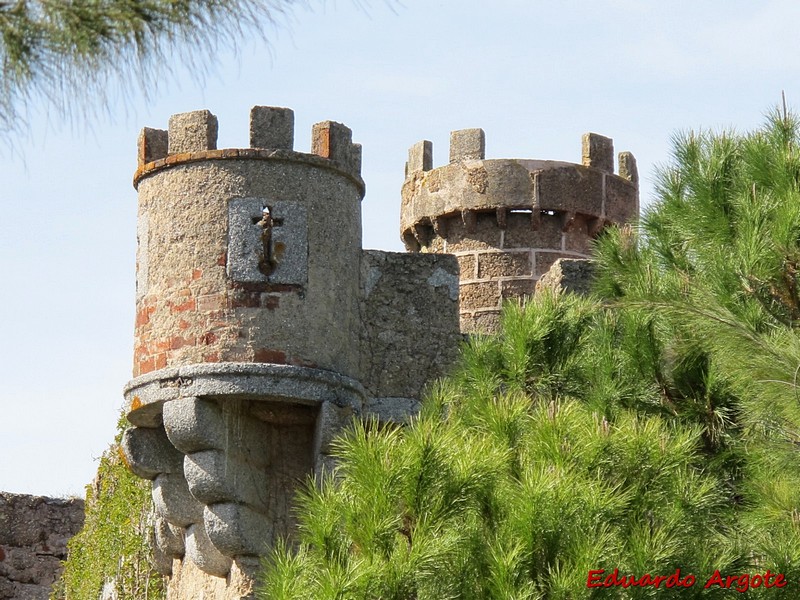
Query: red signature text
[[741, 583]]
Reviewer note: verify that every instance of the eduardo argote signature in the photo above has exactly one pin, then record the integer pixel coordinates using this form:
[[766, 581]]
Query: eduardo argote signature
[[741, 583]]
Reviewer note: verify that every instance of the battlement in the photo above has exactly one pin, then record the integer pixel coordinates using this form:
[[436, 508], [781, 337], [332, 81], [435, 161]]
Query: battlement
[[508, 220], [597, 151], [192, 137], [470, 183]]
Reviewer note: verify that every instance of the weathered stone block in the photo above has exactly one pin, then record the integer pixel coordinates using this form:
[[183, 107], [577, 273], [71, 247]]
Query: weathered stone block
[[404, 295], [517, 288], [169, 538], [34, 531], [149, 452], [598, 152], [621, 204], [153, 144], [520, 232], [330, 139], [420, 157], [210, 476], [503, 264], [486, 234], [627, 167], [355, 158], [216, 476], [278, 383], [544, 260], [161, 562], [568, 275], [333, 140], [192, 132], [480, 295], [193, 424], [436, 244], [467, 266], [477, 178], [570, 189], [237, 530], [174, 502], [168, 544], [271, 127], [267, 241], [204, 554], [332, 420], [467, 144]]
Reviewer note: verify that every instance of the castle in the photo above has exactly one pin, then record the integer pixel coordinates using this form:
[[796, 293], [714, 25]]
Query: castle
[[263, 328]]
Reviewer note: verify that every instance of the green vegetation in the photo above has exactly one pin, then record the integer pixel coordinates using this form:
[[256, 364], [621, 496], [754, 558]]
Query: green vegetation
[[68, 50], [114, 543], [649, 428]]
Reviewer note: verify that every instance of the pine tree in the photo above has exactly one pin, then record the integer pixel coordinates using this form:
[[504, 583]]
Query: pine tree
[[73, 49], [520, 477], [718, 261]]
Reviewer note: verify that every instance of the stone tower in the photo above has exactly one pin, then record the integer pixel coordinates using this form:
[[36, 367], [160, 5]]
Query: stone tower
[[508, 220], [262, 329]]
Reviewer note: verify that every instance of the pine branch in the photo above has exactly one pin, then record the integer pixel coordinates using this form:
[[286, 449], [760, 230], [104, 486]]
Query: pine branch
[[71, 51]]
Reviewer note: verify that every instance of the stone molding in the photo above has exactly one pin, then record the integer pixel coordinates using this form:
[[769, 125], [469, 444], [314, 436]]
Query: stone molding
[[145, 395]]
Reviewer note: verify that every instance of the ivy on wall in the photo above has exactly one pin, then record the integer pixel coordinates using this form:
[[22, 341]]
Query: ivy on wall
[[112, 555]]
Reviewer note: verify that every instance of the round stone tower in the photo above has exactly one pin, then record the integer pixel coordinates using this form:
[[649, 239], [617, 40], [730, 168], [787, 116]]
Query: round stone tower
[[224, 234], [508, 220], [246, 356]]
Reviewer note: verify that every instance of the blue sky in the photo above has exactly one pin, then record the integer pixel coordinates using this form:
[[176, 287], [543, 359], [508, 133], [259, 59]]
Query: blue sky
[[534, 75]]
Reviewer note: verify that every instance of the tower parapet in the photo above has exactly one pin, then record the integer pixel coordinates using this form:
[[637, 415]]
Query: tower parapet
[[262, 329], [508, 220], [226, 272]]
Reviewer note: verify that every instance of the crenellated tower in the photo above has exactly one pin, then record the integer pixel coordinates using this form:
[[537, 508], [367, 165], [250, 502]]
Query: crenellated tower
[[508, 220], [262, 329], [227, 273]]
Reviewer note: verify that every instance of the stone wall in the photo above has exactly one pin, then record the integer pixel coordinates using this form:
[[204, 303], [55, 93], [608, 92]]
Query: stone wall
[[568, 275], [409, 333], [34, 532]]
